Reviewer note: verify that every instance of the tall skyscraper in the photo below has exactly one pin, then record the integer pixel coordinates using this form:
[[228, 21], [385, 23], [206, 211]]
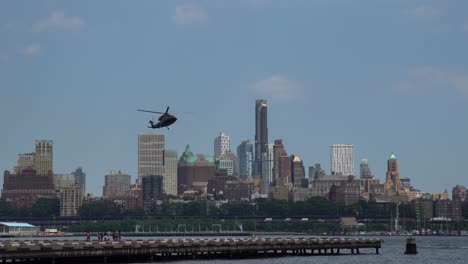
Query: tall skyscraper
[[117, 184], [261, 134], [392, 181], [284, 169], [150, 155], [170, 173], [222, 145], [365, 171], [297, 171], [341, 159], [43, 157], [246, 156], [278, 149], [267, 169]]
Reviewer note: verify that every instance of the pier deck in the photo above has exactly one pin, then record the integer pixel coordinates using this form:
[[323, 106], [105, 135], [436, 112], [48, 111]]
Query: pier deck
[[75, 251]]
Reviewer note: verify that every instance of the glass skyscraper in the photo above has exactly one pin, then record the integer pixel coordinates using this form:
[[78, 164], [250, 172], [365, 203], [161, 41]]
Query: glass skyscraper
[[261, 134], [246, 157]]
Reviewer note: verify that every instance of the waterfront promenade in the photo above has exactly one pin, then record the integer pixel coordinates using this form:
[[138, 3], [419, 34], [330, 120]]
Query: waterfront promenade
[[75, 251]]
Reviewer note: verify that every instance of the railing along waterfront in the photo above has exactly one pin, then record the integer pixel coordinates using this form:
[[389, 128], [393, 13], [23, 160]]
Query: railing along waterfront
[[75, 251]]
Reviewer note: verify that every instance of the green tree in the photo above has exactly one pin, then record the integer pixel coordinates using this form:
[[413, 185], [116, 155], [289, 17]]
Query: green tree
[[236, 209], [95, 209], [46, 207]]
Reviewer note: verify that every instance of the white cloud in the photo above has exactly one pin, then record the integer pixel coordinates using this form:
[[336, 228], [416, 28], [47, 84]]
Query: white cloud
[[190, 14], [429, 78], [278, 88], [32, 49], [422, 11], [58, 21]]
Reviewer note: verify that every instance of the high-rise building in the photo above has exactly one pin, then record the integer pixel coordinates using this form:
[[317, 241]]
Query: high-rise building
[[347, 192], [284, 169], [341, 159], [238, 191], [222, 145], [152, 188], [316, 171], [70, 200], [227, 162], [217, 184], [64, 181], [367, 179], [170, 173], [23, 189], [459, 193], [406, 183], [365, 171], [150, 155], [80, 177], [43, 157], [297, 171], [194, 171], [392, 180], [261, 134], [246, 156], [267, 169], [117, 184], [25, 160], [278, 149]]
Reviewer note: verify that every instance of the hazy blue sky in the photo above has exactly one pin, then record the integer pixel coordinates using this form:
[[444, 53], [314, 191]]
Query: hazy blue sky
[[386, 76]]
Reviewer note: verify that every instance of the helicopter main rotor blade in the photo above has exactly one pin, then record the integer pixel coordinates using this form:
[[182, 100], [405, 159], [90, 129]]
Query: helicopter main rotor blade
[[154, 112]]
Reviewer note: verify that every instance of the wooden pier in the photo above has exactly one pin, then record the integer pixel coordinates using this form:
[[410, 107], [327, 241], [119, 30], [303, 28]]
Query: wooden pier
[[75, 251]]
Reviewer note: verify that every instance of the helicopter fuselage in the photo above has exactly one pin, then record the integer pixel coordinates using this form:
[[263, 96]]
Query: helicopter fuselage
[[164, 121]]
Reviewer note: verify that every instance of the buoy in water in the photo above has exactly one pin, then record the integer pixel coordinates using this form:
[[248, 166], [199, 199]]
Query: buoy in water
[[411, 246]]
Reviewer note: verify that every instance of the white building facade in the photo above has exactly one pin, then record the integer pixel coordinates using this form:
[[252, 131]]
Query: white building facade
[[44, 156], [342, 159], [221, 145], [150, 155]]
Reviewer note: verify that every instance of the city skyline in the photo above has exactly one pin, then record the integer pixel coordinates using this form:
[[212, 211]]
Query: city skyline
[[390, 77]]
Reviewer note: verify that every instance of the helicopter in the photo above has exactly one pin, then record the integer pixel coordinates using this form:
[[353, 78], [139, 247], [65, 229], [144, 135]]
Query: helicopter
[[165, 120]]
